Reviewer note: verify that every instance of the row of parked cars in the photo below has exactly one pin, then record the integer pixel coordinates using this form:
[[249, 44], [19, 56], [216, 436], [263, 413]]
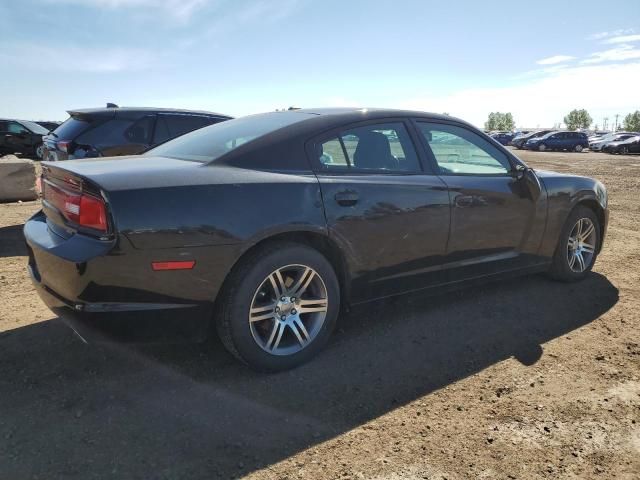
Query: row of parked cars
[[101, 132], [114, 131], [542, 140]]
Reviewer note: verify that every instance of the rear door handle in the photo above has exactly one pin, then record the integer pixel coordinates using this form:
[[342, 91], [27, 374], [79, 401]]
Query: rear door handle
[[346, 198], [464, 201]]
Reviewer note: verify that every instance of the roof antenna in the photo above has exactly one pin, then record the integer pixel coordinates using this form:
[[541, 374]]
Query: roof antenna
[[112, 105]]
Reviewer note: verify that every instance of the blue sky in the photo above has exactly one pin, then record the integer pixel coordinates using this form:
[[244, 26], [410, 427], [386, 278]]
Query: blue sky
[[536, 59]]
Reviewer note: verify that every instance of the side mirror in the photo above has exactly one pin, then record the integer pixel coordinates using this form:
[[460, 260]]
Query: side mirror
[[519, 171]]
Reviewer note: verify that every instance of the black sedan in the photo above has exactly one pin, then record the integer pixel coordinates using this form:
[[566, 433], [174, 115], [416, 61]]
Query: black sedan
[[625, 146], [266, 226]]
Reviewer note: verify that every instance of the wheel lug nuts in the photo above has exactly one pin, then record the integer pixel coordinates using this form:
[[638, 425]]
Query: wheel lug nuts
[[282, 299], [283, 318], [277, 309], [293, 299], [294, 311]]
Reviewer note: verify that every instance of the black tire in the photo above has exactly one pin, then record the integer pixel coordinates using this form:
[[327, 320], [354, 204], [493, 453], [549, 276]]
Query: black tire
[[234, 304], [560, 269]]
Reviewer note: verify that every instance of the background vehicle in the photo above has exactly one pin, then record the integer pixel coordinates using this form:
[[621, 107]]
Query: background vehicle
[[115, 131], [520, 140], [570, 141], [50, 126], [504, 138], [628, 145], [269, 223], [21, 136], [597, 145]]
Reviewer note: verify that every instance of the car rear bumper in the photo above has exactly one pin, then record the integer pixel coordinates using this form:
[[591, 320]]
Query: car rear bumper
[[71, 278]]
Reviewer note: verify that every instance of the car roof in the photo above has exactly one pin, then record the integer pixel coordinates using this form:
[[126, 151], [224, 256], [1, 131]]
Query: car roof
[[143, 110]]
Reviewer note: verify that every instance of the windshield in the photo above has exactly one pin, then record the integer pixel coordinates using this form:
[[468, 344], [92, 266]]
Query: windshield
[[210, 143], [34, 127]]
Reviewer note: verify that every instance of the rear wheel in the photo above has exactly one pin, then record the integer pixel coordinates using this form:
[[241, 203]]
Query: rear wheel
[[578, 246], [542, 147], [624, 150], [279, 307], [578, 148]]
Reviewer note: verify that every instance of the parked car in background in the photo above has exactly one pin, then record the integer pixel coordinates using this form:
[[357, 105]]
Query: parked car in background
[[598, 144], [570, 141], [50, 126], [628, 145], [115, 131], [504, 138], [520, 140], [376, 203], [21, 136]]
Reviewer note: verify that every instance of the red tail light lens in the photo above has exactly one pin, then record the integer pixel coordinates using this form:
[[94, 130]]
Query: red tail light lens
[[63, 146], [80, 208]]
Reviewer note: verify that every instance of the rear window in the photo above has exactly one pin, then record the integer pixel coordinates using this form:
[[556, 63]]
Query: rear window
[[73, 127], [108, 134], [210, 143]]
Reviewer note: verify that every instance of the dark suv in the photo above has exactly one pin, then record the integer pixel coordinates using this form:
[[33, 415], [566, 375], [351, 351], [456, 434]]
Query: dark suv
[[115, 131], [570, 141], [21, 136]]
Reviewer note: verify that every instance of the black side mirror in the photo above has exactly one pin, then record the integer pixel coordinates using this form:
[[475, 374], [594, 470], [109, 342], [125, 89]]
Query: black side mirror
[[519, 171]]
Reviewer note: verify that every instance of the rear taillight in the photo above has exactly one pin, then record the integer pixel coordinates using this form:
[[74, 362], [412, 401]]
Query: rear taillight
[[80, 208], [63, 146]]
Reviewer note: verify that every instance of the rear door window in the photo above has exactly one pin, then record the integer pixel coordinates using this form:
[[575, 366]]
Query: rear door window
[[381, 148], [172, 126], [140, 131]]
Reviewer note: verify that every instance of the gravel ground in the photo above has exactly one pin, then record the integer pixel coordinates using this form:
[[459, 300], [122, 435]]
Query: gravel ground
[[524, 378]]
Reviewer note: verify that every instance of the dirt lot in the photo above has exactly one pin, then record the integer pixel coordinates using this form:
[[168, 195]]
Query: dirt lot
[[519, 379]]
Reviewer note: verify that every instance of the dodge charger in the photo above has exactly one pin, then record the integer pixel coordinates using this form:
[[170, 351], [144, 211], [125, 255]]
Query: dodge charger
[[264, 228]]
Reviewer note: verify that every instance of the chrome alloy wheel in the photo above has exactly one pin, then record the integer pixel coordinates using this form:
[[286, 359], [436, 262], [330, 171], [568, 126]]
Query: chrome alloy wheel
[[288, 310], [582, 245], [40, 151]]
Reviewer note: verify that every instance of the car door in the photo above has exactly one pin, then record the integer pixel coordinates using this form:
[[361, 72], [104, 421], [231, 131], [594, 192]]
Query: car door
[[17, 137], [390, 217], [497, 210]]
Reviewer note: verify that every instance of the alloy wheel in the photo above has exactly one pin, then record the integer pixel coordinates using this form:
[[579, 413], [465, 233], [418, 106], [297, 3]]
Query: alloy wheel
[[288, 310], [578, 148], [542, 147], [39, 151], [624, 150], [581, 246]]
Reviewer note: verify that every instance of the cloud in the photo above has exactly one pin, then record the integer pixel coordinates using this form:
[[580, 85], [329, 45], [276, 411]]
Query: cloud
[[181, 10], [613, 33], [555, 59], [623, 39], [617, 54], [84, 59], [543, 101]]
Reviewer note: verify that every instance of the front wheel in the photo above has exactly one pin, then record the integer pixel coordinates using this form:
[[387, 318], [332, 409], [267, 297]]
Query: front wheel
[[279, 307], [542, 147], [39, 151], [578, 148], [624, 150], [578, 246]]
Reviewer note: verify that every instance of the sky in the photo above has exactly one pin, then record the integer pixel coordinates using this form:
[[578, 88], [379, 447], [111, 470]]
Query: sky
[[538, 60]]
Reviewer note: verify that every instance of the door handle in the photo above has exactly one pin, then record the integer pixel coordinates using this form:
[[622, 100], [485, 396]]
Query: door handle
[[346, 198], [464, 201]]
